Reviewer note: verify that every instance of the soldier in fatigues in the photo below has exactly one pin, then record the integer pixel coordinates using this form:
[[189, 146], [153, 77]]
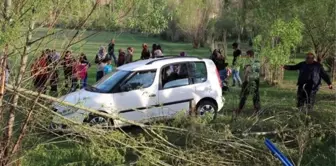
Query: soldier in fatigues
[[250, 82]]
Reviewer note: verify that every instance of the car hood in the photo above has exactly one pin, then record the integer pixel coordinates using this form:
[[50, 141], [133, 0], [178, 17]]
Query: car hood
[[83, 98]]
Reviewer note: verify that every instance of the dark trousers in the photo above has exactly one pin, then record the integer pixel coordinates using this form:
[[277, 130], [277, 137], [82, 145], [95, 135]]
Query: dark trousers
[[306, 94], [74, 84], [67, 76], [246, 89], [40, 82], [54, 82], [114, 58], [100, 74]]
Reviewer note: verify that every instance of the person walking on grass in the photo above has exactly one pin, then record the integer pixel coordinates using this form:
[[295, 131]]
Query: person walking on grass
[[145, 54], [39, 72], [309, 81], [110, 51], [101, 55], [108, 67], [76, 71], [67, 68], [82, 70], [53, 70], [219, 61], [235, 65], [158, 53], [84, 61], [121, 57], [153, 50], [250, 83], [129, 55]]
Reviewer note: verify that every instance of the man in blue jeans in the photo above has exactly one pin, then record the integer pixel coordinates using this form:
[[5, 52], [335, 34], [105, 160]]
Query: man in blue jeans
[[110, 51], [235, 65]]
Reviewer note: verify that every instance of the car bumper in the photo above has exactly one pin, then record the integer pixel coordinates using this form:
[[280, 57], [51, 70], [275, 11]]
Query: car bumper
[[220, 103], [76, 117]]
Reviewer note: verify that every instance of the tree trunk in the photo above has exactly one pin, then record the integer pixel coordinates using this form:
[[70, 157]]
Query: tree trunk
[[334, 70], [10, 123], [3, 62], [195, 42], [225, 47]]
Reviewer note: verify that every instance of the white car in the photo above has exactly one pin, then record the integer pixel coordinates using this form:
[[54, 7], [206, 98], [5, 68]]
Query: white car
[[145, 90]]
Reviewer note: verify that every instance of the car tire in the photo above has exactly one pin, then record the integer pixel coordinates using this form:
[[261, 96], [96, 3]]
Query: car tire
[[207, 106], [100, 122]]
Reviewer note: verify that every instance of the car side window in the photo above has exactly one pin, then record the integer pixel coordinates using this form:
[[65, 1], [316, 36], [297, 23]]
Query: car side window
[[198, 72], [139, 80], [175, 75]]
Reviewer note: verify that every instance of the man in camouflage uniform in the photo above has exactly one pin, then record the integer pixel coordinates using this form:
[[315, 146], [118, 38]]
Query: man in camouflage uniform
[[250, 82]]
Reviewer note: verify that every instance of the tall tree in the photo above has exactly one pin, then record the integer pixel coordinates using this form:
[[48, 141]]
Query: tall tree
[[319, 17], [193, 17]]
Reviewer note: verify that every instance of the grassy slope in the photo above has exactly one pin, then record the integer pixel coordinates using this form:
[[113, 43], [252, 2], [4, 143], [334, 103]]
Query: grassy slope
[[273, 98]]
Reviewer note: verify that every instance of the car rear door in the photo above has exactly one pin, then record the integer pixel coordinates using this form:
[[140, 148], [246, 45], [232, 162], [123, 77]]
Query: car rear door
[[176, 90]]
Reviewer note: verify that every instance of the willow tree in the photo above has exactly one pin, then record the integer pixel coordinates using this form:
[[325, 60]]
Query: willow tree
[[193, 17], [276, 46], [319, 17]]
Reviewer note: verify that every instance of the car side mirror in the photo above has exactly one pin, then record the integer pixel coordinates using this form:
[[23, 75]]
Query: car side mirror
[[125, 88]]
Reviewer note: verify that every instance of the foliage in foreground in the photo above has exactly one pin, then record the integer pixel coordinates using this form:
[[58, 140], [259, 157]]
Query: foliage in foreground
[[305, 139]]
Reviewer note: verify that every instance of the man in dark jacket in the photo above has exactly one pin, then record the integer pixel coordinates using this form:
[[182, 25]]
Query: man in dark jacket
[[311, 73], [110, 51]]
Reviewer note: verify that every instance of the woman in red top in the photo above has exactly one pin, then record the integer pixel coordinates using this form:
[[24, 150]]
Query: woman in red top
[[40, 73]]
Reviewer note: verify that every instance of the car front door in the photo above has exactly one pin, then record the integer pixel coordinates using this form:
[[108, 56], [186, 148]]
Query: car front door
[[137, 97], [175, 90]]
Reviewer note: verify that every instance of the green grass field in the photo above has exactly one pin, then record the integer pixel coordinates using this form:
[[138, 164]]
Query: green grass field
[[273, 99]]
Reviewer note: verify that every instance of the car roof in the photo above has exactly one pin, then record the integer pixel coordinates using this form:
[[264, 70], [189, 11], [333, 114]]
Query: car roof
[[156, 63]]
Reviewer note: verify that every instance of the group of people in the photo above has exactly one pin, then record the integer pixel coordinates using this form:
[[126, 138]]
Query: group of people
[[45, 69], [250, 80], [311, 73], [156, 51]]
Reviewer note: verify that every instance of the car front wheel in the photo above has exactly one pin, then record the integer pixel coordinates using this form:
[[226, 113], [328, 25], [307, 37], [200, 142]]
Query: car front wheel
[[100, 122]]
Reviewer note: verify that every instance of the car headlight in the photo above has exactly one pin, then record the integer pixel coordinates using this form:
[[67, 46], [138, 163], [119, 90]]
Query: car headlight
[[64, 110]]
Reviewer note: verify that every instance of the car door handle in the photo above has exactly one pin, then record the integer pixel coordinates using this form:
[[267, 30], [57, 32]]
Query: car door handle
[[152, 95]]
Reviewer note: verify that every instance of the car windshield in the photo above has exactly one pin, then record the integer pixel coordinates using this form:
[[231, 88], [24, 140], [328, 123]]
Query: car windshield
[[108, 82]]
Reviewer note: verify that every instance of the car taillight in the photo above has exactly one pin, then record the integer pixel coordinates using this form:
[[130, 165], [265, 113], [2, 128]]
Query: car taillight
[[219, 80]]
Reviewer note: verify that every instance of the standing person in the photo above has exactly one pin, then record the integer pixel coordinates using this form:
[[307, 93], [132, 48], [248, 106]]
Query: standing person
[[145, 54], [110, 50], [250, 82], [183, 54], [53, 70], [235, 65], [76, 71], [158, 52], [129, 55], [84, 61], [219, 61], [153, 50], [55, 55], [101, 55], [40, 72], [67, 67], [121, 57], [108, 67], [309, 81]]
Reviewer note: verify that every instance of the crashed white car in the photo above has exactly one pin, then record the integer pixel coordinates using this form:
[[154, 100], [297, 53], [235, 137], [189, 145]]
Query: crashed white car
[[146, 90]]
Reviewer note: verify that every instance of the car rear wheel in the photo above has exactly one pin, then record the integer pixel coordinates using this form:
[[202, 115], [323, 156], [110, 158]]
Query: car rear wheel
[[206, 106]]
